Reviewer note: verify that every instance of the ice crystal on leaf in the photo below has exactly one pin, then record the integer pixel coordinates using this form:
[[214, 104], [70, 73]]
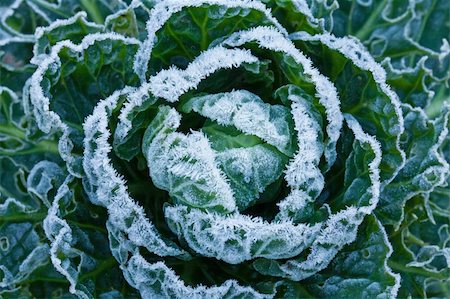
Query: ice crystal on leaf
[[224, 149]]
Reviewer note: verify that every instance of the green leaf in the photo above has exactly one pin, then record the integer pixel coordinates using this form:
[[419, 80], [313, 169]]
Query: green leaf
[[194, 29], [248, 113], [244, 160], [76, 79], [15, 67], [295, 15], [73, 29], [398, 32], [79, 245], [362, 90], [424, 169], [18, 152], [19, 19], [185, 165], [140, 117], [69, 83], [24, 252], [413, 85], [347, 210], [421, 247], [125, 23], [360, 269], [64, 9]]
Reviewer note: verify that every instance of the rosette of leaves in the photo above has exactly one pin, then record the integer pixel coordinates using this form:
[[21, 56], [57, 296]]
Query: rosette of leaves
[[216, 149]]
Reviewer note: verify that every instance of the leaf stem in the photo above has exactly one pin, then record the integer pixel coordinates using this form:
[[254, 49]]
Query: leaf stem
[[38, 217], [368, 26], [414, 270]]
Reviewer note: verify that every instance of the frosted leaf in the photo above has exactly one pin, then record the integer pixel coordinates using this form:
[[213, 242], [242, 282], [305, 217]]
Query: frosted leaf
[[303, 171], [21, 251], [429, 253], [7, 11], [162, 12], [41, 32], [250, 171], [61, 237], [270, 38], [425, 167], [360, 269], [119, 244], [302, 174], [48, 120], [170, 84], [109, 189], [237, 238], [135, 99], [304, 8], [355, 51], [158, 281], [339, 229], [185, 165], [42, 179], [132, 7], [297, 206], [248, 113]]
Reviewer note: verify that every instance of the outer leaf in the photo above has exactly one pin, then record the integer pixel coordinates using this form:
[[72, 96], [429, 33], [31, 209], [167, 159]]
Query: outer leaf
[[24, 251], [15, 146], [61, 101], [421, 243], [421, 248], [361, 83], [73, 29], [360, 269], [348, 212], [198, 23], [397, 32], [424, 169], [79, 245]]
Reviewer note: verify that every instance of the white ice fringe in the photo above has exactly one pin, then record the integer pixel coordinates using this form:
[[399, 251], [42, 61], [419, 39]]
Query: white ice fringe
[[111, 190], [58, 231], [272, 39], [170, 84], [47, 119], [304, 168], [162, 12], [340, 228], [352, 49], [237, 238]]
